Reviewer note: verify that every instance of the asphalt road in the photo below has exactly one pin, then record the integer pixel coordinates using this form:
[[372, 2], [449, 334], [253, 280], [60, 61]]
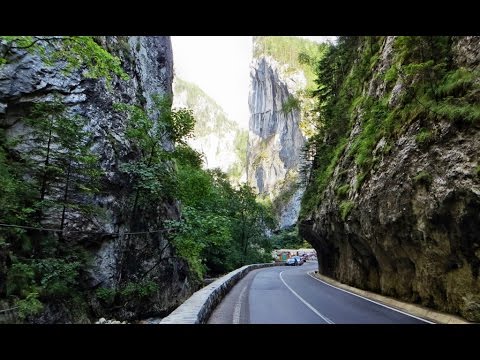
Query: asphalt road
[[288, 295]]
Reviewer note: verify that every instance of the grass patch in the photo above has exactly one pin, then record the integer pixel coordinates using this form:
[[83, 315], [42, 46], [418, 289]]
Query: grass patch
[[391, 74], [457, 82], [345, 208], [342, 191], [424, 138], [360, 179], [322, 175], [423, 177], [468, 113]]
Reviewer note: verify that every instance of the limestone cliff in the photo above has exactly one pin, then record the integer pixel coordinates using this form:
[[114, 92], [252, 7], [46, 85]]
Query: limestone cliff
[[222, 142], [275, 139], [400, 211], [117, 259]]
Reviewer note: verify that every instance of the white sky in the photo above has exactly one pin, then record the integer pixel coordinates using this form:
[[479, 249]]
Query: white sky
[[220, 65]]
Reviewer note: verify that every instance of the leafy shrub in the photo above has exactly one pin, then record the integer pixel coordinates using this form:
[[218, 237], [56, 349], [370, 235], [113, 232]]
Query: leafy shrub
[[342, 191], [424, 137], [423, 177]]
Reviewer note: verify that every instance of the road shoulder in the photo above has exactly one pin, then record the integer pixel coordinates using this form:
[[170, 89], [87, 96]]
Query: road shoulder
[[416, 310]]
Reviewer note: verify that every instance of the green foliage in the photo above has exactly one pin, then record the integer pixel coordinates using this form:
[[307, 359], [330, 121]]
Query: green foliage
[[423, 177], [32, 282], [466, 113], [457, 82], [345, 208], [211, 119], [284, 191], [106, 295], [360, 179], [75, 51], [341, 74], [290, 105], [222, 228], [180, 125], [151, 179], [342, 190], [29, 306], [152, 174], [443, 91], [477, 170], [16, 198], [297, 53], [22, 288], [138, 290], [61, 159], [52, 177], [57, 277], [209, 116], [434, 89], [199, 230], [20, 279], [424, 137], [373, 120], [326, 162], [185, 155], [287, 238], [131, 290], [240, 145], [49, 173], [391, 75], [206, 234]]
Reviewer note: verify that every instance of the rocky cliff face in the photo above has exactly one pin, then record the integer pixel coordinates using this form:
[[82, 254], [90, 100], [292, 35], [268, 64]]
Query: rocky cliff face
[[414, 224], [275, 140], [121, 259], [221, 140]]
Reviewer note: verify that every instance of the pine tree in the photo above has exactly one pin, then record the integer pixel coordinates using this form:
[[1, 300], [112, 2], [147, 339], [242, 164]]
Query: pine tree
[[63, 168]]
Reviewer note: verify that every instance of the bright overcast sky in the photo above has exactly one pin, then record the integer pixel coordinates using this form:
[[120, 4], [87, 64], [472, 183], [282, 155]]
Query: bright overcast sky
[[219, 65]]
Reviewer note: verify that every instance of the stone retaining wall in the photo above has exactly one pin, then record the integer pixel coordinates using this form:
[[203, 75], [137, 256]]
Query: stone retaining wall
[[197, 309]]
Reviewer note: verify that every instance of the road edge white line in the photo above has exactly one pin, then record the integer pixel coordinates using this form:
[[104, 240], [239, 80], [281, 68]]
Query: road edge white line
[[324, 318], [372, 301], [238, 306]]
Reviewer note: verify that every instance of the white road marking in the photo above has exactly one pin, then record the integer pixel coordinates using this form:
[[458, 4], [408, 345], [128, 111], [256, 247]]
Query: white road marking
[[238, 306], [372, 301], [326, 319]]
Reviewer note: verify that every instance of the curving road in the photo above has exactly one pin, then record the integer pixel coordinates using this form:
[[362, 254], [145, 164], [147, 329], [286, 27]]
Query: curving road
[[288, 295]]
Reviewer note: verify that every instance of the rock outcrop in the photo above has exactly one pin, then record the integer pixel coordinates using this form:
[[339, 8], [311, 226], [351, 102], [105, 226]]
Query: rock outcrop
[[414, 225], [120, 259], [275, 139], [222, 142]]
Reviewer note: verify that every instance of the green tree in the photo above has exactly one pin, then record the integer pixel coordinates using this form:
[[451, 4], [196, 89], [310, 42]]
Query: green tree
[[152, 174], [252, 222], [61, 161], [48, 173], [55, 175]]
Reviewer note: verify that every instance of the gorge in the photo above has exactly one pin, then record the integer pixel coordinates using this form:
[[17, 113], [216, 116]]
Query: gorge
[[124, 186]]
